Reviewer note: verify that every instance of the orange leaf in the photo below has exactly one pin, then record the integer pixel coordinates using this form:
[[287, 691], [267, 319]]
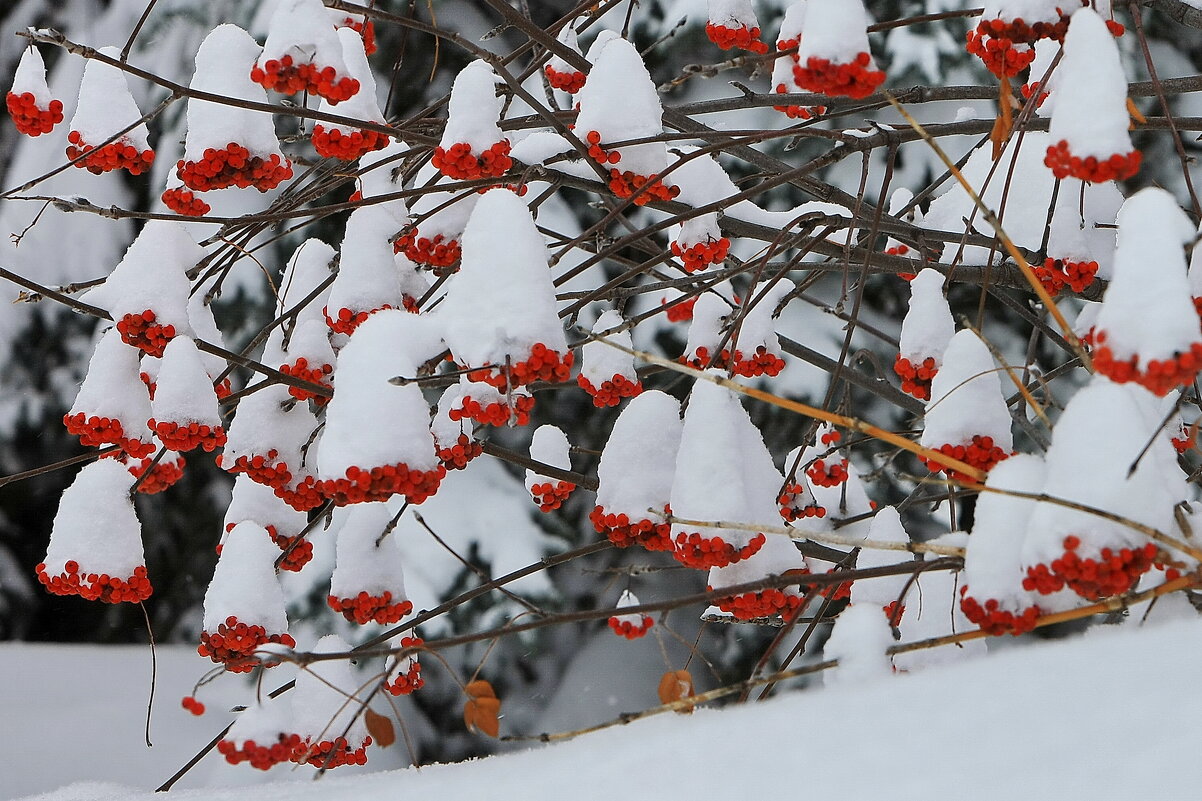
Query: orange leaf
[[675, 685], [480, 715], [380, 728], [1136, 114], [1004, 121], [480, 689]]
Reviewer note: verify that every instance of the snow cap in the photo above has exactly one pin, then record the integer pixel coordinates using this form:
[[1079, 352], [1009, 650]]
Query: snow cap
[[96, 525], [966, 397], [639, 460], [244, 583]]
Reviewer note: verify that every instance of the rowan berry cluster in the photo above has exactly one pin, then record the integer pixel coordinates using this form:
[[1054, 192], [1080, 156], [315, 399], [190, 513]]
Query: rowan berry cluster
[[161, 476], [261, 757], [96, 586], [262, 468], [699, 255], [458, 455], [855, 79], [192, 705], [381, 483], [183, 201], [347, 321], [1159, 376], [1116, 571], [618, 529], [233, 165], [626, 184], [790, 510], [301, 495], [318, 374], [234, 645], [571, 81], [331, 753], [753, 605], [296, 551], [118, 155], [824, 474], [543, 364], [980, 452], [1118, 167], [94, 432], [629, 628], [184, 437], [1056, 274], [367, 608], [695, 550], [410, 680], [437, 252], [29, 119], [994, 620], [611, 392], [741, 37], [916, 379], [550, 496], [458, 161], [495, 413], [337, 144], [142, 332], [288, 78]]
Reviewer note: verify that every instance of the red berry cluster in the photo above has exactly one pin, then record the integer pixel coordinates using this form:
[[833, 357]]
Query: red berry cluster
[[301, 495], [188, 436], [1115, 573], [570, 82], [550, 497], [297, 555], [119, 155], [431, 252], [621, 532], [981, 453], [192, 705], [262, 468], [1187, 440], [1064, 164], [96, 586], [916, 379], [993, 620], [366, 608], [162, 475], [790, 511], [458, 162], [1000, 56], [233, 165], [261, 757], [494, 414], [141, 331], [694, 550], [347, 321], [1056, 274], [543, 364], [287, 78], [1029, 90], [611, 392], [458, 455], [797, 112], [29, 119], [331, 753], [753, 605], [335, 144], [683, 312], [836, 592], [854, 79], [381, 483], [411, 680], [234, 644], [761, 362], [822, 474], [94, 431], [365, 29], [741, 37], [625, 184], [316, 374], [698, 256], [629, 629], [182, 201], [1159, 376]]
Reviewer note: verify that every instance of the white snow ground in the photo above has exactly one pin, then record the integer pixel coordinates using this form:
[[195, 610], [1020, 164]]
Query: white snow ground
[[1103, 716]]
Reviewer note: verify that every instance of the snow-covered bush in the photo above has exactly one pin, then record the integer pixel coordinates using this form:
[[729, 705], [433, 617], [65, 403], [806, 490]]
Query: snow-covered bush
[[556, 264]]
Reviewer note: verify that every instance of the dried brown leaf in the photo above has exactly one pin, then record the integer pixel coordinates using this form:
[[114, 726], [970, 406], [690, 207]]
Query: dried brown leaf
[[380, 728]]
